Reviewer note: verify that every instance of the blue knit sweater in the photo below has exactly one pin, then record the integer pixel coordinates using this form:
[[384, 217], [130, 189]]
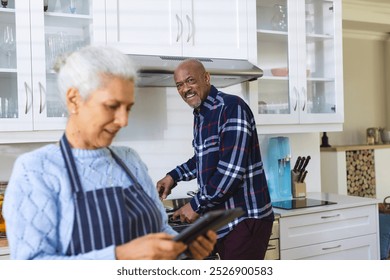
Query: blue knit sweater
[[38, 205]]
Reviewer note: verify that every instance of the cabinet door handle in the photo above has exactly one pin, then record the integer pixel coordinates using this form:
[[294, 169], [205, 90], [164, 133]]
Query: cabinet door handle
[[26, 90], [328, 217], [41, 103], [304, 98], [330, 248], [191, 28], [296, 98], [179, 28]]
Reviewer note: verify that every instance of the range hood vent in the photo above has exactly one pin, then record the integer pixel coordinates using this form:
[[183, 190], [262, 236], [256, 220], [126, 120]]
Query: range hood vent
[[157, 71]]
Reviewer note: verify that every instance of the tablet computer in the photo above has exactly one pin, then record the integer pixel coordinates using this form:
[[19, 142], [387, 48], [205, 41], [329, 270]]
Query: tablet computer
[[212, 220]]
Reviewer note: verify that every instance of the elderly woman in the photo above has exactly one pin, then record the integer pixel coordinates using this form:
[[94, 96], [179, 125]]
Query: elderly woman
[[82, 198]]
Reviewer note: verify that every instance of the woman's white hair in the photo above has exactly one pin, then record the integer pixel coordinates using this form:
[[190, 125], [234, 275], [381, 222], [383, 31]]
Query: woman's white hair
[[87, 69]]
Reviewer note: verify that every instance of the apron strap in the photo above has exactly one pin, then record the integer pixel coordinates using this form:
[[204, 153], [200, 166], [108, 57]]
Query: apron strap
[[70, 164], [126, 169]]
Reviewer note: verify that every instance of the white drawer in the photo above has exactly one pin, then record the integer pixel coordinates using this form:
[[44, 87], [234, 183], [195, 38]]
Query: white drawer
[[308, 229], [357, 248], [4, 257]]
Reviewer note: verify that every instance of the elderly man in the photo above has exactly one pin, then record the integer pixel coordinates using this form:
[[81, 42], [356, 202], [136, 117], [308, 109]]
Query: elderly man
[[227, 164]]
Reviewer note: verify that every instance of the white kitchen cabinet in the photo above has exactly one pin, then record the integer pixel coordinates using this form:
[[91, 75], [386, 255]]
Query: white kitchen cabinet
[[299, 44], [192, 28], [345, 230], [29, 96], [355, 248], [4, 253]]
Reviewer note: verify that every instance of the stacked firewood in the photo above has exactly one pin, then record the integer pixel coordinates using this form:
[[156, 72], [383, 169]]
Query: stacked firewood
[[361, 173]]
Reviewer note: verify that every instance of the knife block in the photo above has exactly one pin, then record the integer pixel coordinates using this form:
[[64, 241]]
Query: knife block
[[298, 189]]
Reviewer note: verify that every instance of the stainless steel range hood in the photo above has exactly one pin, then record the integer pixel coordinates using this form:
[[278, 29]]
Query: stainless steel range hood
[[157, 71]]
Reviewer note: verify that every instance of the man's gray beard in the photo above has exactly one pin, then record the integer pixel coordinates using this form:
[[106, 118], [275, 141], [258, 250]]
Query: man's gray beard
[[196, 106]]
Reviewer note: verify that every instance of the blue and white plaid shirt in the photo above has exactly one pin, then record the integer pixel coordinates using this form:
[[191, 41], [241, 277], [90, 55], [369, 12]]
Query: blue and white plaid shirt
[[227, 161]]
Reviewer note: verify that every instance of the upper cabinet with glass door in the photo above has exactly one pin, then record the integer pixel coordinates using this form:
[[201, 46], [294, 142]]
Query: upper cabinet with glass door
[[300, 50], [41, 30], [8, 72]]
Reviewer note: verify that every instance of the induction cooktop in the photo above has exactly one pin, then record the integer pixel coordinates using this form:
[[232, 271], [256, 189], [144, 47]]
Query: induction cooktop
[[297, 203]]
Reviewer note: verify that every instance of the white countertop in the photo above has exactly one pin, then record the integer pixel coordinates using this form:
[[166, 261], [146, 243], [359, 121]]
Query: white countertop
[[342, 201]]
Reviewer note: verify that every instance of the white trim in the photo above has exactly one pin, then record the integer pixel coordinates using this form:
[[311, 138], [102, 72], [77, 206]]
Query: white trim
[[367, 6], [30, 136], [366, 11], [365, 35]]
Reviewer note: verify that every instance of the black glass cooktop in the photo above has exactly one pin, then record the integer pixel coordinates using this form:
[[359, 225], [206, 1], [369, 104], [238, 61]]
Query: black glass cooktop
[[297, 203]]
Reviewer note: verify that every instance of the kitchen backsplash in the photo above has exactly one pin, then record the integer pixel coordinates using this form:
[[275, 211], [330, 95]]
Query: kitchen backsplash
[[8, 155], [160, 130]]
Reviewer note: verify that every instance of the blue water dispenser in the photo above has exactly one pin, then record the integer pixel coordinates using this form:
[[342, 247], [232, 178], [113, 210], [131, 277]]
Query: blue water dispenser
[[279, 168]]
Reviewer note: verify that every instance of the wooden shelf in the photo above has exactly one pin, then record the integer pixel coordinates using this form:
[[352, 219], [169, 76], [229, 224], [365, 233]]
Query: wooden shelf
[[355, 148]]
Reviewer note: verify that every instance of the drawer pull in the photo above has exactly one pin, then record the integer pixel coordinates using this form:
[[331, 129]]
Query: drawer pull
[[328, 217], [330, 248], [271, 247]]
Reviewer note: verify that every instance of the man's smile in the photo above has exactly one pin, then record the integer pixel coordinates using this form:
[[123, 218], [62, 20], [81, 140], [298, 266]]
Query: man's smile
[[189, 95]]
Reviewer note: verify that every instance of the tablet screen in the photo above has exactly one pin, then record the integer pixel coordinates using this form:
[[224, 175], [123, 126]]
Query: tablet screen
[[212, 220]]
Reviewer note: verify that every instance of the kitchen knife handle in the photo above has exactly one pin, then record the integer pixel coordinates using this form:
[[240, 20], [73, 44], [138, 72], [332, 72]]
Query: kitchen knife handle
[[297, 164], [301, 164], [306, 162], [302, 177]]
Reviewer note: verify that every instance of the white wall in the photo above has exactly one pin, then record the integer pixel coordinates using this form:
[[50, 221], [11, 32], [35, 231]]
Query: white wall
[[305, 144], [365, 93], [8, 155], [171, 144]]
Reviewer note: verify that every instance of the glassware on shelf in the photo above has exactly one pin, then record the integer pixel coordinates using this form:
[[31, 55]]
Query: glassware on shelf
[[8, 45], [61, 43], [72, 6], [309, 22], [4, 3], [309, 17], [8, 108], [279, 19], [45, 5]]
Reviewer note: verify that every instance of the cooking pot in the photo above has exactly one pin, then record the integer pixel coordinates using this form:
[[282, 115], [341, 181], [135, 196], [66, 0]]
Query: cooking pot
[[171, 205]]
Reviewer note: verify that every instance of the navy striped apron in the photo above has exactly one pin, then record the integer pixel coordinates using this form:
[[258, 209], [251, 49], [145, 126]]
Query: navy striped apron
[[108, 216]]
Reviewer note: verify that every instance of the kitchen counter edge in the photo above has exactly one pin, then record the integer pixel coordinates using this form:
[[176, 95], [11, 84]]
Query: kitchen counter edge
[[342, 201]]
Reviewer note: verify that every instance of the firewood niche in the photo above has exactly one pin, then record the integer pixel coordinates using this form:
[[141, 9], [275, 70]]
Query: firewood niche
[[360, 165]]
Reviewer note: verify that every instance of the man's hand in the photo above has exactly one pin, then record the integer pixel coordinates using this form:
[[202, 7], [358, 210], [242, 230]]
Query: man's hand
[[164, 186], [186, 214], [203, 245], [154, 246]]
